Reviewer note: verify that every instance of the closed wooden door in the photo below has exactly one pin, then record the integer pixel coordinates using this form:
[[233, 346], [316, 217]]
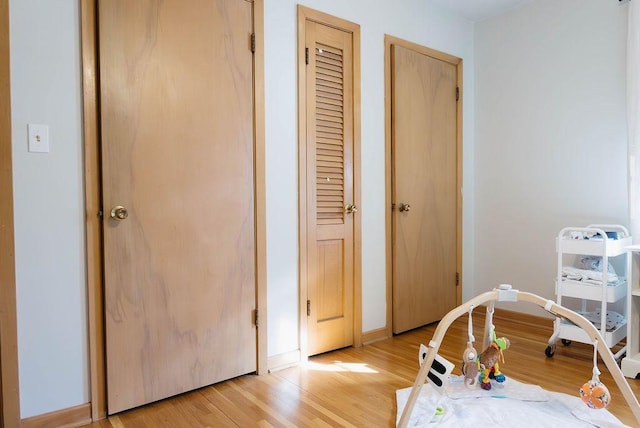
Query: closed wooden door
[[424, 187], [329, 187], [177, 156]]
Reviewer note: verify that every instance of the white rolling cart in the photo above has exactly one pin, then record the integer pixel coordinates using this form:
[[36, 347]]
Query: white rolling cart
[[596, 292], [631, 363]]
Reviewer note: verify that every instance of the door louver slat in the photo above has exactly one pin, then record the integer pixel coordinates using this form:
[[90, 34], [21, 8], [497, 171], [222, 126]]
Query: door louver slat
[[329, 135]]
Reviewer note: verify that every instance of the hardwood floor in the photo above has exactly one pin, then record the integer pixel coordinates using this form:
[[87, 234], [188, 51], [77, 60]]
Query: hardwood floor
[[356, 386]]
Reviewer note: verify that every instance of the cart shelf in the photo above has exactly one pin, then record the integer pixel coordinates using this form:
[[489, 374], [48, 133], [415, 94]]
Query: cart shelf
[[582, 290]]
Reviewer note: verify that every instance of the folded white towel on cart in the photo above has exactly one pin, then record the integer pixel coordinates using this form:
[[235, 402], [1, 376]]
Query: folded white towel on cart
[[587, 275]]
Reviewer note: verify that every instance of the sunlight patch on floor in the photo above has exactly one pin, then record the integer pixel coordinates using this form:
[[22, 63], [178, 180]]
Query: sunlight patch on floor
[[339, 366]]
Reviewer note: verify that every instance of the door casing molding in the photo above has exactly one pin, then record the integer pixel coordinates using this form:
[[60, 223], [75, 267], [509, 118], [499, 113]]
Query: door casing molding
[[307, 14], [9, 382], [93, 201], [457, 62]]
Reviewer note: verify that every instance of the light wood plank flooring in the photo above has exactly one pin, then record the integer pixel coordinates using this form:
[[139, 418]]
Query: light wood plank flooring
[[356, 386]]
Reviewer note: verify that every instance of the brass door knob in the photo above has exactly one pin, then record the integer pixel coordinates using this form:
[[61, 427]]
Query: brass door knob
[[350, 209], [404, 207], [119, 213]]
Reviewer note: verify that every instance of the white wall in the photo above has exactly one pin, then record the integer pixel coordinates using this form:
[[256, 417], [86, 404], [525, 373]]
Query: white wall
[[413, 20], [551, 148], [48, 188], [49, 206]]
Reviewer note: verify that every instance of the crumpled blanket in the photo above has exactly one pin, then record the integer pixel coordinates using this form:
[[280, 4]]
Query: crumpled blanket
[[515, 405], [612, 321], [595, 263]]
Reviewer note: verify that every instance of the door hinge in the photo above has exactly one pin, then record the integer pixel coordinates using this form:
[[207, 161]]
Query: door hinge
[[255, 317], [457, 93], [457, 279], [306, 56], [253, 42], [308, 308]]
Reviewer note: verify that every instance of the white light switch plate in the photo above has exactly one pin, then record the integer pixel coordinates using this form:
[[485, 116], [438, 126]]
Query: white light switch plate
[[38, 138]]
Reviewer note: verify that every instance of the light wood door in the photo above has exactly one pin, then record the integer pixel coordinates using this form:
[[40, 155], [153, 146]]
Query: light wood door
[[424, 177], [329, 191], [177, 153]]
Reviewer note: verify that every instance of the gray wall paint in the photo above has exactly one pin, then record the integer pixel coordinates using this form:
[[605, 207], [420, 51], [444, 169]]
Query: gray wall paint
[[551, 141], [49, 206]]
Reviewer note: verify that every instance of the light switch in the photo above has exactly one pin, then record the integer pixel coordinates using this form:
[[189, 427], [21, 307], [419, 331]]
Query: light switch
[[38, 138]]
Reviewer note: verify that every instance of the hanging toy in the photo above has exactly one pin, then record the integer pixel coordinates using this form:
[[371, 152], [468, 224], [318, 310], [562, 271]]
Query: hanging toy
[[594, 393], [470, 365], [469, 357], [489, 359]]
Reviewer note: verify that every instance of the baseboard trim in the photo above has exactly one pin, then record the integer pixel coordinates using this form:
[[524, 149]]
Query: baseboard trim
[[282, 361], [375, 335], [64, 418]]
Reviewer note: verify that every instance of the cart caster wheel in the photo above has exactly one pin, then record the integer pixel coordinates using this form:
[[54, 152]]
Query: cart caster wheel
[[550, 351], [566, 342]]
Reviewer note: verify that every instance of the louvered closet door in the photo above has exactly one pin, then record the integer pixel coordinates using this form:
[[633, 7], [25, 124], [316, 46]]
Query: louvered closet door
[[329, 188]]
